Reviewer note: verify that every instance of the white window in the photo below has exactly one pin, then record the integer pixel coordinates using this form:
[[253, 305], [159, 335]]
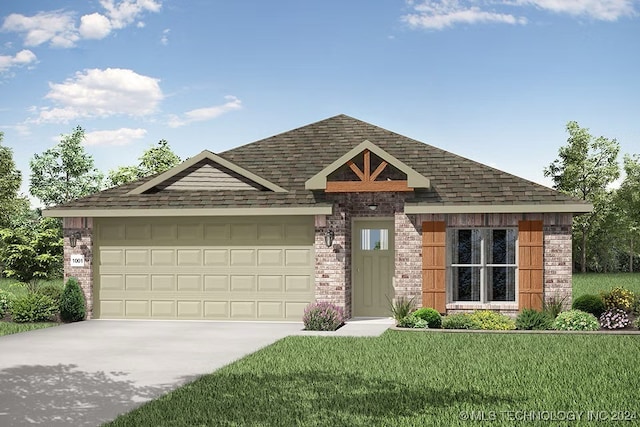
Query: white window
[[374, 240], [482, 264]]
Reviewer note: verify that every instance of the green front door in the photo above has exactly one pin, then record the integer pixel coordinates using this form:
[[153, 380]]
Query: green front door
[[373, 267]]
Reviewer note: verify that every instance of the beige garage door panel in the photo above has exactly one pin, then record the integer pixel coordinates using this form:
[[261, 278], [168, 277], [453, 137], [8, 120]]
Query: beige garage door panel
[[214, 268]]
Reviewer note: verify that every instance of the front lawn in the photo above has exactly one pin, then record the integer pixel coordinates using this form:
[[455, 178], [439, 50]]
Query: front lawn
[[409, 379], [593, 283], [7, 328]]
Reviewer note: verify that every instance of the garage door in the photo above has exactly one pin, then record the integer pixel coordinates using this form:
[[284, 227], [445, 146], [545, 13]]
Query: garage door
[[253, 268]]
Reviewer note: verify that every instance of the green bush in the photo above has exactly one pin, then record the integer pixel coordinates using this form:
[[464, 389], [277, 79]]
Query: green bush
[[433, 318], [589, 303], [637, 322], [458, 321], [491, 320], [322, 316], [5, 302], [33, 307], [72, 304], [52, 291], [618, 297], [636, 305], [413, 321], [530, 319], [576, 320], [401, 307]]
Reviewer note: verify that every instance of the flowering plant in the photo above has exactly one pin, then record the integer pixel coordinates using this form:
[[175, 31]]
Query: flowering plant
[[576, 320], [322, 316], [614, 318]]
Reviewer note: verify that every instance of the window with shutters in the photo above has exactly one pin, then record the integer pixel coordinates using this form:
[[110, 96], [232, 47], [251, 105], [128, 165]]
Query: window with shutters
[[482, 264]]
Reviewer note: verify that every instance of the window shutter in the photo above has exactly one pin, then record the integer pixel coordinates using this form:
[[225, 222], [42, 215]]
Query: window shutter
[[434, 265], [530, 264]]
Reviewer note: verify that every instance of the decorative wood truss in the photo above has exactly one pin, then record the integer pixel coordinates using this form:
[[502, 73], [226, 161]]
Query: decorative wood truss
[[366, 168], [367, 181]]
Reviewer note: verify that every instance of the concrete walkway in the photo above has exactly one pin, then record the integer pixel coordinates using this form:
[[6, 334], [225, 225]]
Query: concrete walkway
[[87, 373]]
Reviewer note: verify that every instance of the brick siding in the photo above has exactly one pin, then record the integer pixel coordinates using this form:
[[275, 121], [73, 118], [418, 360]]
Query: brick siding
[[84, 246]]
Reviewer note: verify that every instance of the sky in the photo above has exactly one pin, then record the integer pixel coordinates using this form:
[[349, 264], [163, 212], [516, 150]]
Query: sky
[[492, 80]]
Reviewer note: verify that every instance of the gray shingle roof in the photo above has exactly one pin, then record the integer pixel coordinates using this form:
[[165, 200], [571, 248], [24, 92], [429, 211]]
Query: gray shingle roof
[[291, 158]]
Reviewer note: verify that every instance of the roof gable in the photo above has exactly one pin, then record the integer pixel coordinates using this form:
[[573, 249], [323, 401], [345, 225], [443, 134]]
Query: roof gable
[[207, 171], [414, 179]]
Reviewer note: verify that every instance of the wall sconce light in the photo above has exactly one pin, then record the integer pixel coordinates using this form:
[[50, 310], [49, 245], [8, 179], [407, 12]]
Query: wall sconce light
[[73, 238], [372, 205], [328, 237]]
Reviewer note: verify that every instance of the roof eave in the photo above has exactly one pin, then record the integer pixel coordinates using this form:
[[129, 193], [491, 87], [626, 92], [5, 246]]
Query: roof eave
[[575, 208]]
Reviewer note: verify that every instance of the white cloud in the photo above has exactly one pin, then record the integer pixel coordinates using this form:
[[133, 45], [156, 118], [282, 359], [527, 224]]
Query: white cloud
[[604, 10], [116, 137], [165, 37], [24, 57], [57, 28], [441, 14], [102, 93], [124, 13], [94, 26], [203, 114]]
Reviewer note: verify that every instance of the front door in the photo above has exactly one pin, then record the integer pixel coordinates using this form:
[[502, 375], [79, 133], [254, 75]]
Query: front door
[[373, 267]]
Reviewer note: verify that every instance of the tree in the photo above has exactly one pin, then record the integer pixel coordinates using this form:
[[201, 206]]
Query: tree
[[154, 160], [64, 172], [10, 181], [586, 166], [628, 196]]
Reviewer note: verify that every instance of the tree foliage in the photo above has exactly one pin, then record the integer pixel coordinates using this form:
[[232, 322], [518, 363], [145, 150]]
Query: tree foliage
[[585, 168], [30, 255], [10, 181], [154, 160], [628, 201], [64, 172]]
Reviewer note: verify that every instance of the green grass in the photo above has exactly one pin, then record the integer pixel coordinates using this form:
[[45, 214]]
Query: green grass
[[7, 328], [593, 283], [407, 379]]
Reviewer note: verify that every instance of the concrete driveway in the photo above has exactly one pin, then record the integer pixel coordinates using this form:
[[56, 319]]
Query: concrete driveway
[[86, 373]]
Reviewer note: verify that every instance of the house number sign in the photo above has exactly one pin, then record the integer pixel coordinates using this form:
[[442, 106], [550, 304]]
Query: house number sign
[[77, 260]]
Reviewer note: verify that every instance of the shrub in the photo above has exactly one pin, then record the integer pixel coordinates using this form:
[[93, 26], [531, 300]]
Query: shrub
[[433, 318], [52, 291], [576, 320], [5, 302], [458, 321], [618, 297], [33, 307], [614, 318], [636, 305], [72, 305], [554, 305], [491, 320], [589, 303], [530, 319], [322, 316], [401, 307], [637, 322], [413, 321]]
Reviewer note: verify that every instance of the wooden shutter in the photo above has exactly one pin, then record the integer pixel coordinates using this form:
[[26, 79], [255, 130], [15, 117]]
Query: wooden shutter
[[434, 265], [530, 264]]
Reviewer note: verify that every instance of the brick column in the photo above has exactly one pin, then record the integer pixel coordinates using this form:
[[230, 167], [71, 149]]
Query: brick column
[[557, 257], [84, 246]]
